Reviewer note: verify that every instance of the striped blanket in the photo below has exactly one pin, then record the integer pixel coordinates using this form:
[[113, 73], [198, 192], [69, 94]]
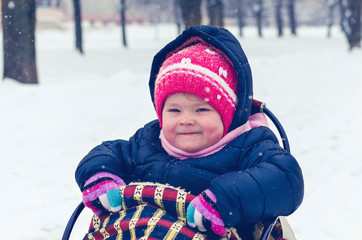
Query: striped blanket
[[150, 211]]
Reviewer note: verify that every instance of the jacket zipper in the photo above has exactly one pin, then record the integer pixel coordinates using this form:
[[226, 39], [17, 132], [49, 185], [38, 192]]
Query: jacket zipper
[[162, 176]]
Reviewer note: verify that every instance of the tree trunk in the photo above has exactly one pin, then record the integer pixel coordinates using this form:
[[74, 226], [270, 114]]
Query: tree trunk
[[191, 12], [178, 18], [241, 14], [331, 8], [216, 12], [351, 22], [259, 16], [278, 17], [123, 22], [18, 20], [292, 18], [355, 23], [78, 26]]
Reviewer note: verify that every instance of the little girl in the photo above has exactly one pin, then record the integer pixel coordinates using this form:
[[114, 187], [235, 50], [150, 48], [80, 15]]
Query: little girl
[[205, 141]]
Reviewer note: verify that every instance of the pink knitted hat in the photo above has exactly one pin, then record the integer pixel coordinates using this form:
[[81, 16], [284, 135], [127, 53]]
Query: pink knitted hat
[[201, 70]]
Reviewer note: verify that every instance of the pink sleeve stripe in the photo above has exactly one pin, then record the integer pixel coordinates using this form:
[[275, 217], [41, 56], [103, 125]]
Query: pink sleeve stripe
[[99, 189], [219, 230], [208, 207], [207, 211], [211, 195], [99, 175], [94, 209]]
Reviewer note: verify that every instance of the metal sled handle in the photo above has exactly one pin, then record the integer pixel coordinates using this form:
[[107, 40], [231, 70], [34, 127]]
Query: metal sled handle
[[279, 127], [72, 220], [256, 107]]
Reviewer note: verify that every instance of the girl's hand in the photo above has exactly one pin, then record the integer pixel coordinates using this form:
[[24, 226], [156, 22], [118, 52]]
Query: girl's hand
[[101, 193], [202, 213]]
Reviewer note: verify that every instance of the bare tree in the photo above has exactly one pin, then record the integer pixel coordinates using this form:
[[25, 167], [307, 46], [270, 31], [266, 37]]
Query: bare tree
[[191, 12], [291, 16], [18, 21], [351, 21], [331, 10], [241, 14], [78, 26], [278, 17], [123, 22], [177, 14], [215, 11], [257, 7]]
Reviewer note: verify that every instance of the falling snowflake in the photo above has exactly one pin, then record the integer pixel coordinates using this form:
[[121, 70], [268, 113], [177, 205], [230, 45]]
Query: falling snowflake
[[11, 5]]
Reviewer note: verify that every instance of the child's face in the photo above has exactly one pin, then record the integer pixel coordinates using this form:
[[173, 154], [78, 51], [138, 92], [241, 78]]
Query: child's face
[[190, 123]]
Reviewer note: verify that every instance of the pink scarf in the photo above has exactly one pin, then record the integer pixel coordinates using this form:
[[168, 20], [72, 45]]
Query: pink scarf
[[254, 121]]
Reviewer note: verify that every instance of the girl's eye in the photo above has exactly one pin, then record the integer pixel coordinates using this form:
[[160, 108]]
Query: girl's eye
[[202, 110], [173, 110]]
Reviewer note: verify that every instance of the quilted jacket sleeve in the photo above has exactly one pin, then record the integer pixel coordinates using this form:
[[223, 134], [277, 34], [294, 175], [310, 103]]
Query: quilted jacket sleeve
[[111, 156], [269, 182]]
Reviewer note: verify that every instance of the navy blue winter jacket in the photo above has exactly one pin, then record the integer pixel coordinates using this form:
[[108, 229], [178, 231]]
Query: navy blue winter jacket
[[252, 177]]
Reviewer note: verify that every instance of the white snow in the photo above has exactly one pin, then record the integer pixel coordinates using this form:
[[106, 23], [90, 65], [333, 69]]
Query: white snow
[[313, 85]]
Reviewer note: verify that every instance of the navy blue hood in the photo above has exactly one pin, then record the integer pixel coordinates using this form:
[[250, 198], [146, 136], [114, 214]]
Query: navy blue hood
[[223, 40]]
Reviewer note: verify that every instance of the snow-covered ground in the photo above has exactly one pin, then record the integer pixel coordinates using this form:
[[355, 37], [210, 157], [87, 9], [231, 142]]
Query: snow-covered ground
[[313, 84]]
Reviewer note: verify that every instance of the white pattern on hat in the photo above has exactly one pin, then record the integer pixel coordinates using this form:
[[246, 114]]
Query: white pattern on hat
[[186, 61], [210, 51], [194, 70], [223, 72]]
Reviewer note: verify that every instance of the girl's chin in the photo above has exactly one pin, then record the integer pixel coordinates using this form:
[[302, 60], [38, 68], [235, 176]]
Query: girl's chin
[[190, 148]]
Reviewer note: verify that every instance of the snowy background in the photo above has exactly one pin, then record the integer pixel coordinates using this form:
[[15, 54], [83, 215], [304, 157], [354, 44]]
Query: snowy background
[[313, 84]]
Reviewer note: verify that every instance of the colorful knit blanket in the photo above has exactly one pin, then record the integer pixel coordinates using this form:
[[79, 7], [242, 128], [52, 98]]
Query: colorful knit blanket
[[150, 211]]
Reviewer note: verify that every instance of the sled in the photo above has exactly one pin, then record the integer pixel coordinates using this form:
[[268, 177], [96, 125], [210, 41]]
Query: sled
[[158, 211]]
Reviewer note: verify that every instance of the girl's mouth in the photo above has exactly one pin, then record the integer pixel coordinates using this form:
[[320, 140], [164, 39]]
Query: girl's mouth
[[189, 133]]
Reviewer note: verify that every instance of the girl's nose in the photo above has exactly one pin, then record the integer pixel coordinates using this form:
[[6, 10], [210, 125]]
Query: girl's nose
[[187, 120]]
